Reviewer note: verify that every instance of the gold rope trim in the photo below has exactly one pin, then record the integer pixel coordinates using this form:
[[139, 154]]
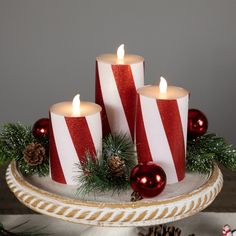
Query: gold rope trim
[[164, 212], [106, 216], [141, 216], [37, 203], [152, 215], [118, 217], [172, 212]]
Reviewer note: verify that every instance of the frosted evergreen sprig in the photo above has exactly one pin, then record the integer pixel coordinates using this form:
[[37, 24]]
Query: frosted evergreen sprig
[[95, 175], [204, 150], [14, 137]]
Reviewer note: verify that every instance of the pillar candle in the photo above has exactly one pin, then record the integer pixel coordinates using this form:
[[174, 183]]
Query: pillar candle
[[161, 128], [117, 79], [75, 130]]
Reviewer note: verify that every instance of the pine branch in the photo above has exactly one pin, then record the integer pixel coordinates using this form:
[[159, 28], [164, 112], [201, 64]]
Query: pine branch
[[40, 170], [95, 174], [225, 153], [14, 137], [119, 145], [204, 150], [199, 161]]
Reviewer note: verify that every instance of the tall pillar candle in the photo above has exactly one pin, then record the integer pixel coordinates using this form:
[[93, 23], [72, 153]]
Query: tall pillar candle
[[161, 128], [73, 133], [117, 79]]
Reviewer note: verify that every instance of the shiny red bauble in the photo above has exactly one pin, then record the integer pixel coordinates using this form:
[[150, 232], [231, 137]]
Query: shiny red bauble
[[148, 179], [41, 128], [197, 123]]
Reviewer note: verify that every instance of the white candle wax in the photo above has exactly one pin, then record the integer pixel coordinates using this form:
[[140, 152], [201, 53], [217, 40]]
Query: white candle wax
[[66, 109], [128, 59], [172, 92]]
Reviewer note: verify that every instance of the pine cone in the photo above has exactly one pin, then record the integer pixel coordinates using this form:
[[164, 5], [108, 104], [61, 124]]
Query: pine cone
[[116, 166], [161, 230], [34, 154]]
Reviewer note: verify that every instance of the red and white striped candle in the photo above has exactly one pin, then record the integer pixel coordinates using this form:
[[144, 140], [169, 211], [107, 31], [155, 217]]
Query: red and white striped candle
[[117, 79], [75, 129], [161, 128]]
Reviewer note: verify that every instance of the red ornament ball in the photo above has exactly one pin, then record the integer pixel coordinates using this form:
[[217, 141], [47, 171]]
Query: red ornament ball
[[148, 179], [41, 128], [197, 123]]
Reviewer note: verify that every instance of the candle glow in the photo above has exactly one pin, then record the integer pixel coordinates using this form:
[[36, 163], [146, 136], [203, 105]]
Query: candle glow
[[121, 52], [163, 85], [76, 105]]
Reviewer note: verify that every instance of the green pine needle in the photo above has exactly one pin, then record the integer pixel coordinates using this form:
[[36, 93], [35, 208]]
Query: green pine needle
[[119, 145], [14, 137], [204, 150], [95, 175]]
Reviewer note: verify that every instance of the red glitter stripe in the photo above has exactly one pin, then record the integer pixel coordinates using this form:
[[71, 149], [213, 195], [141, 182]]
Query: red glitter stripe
[[99, 100], [127, 91], [143, 150], [171, 120], [81, 136], [55, 164]]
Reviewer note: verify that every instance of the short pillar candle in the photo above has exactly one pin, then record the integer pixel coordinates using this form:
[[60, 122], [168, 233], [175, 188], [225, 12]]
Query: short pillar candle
[[73, 133], [117, 79], [161, 128]]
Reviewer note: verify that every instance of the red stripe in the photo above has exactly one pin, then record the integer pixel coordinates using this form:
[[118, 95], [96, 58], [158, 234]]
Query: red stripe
[[81, 137], [127, 91], [171, 120], [99, 100], [55, 164], [143, 151]]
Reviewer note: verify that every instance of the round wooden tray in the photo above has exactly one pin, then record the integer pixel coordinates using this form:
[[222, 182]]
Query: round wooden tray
[[177, 201]]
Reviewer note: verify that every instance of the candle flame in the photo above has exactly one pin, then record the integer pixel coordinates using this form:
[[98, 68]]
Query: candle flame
[[121, 52], [163, 85], [76, 105]]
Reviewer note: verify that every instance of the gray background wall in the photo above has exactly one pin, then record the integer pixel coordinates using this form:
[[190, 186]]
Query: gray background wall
[[48, 50]]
